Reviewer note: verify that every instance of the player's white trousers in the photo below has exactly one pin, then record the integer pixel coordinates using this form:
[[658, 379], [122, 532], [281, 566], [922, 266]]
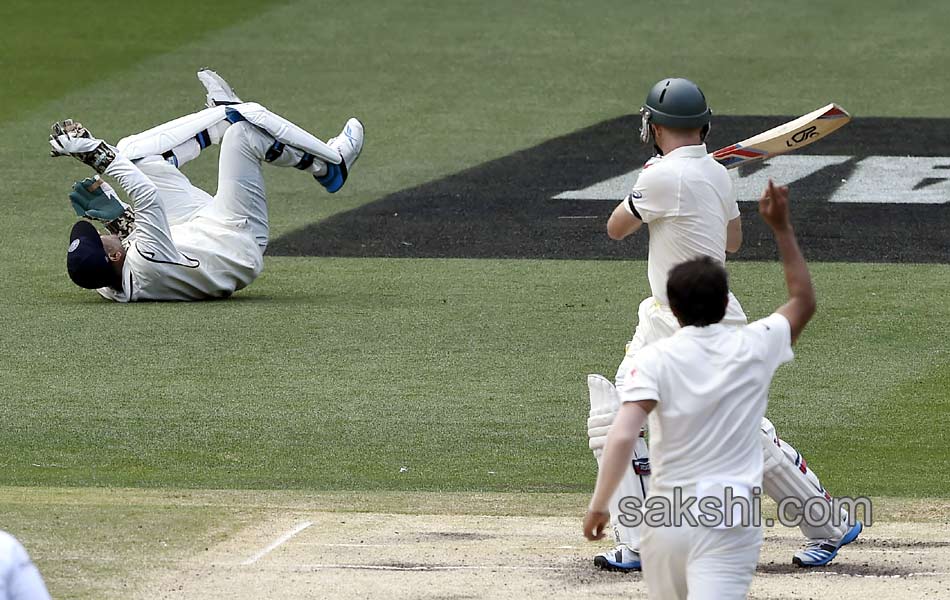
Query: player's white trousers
[[240, 194], [699, 563], [785, 474]]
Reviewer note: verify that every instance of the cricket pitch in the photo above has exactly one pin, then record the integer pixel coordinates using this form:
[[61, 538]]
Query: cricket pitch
[[292, 544]]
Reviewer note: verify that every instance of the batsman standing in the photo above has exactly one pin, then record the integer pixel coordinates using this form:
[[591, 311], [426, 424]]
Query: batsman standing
[[176, 241], [688, 202]]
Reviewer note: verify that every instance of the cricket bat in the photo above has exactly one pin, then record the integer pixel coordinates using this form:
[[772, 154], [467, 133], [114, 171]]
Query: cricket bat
[[791, 136]]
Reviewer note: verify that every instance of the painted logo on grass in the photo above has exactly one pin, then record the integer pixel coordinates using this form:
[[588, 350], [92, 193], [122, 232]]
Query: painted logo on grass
[[876, 190]]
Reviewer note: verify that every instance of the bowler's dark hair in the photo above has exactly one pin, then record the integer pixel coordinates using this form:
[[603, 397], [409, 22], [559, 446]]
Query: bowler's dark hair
[[698, 291]]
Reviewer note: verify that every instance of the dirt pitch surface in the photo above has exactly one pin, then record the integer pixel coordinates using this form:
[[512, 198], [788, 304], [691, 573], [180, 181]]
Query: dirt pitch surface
[[301, 553]]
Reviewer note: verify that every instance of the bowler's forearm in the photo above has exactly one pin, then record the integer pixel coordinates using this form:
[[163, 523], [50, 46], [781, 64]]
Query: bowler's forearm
[[623, 435], [616, 456], [797, 277], [734, 235]]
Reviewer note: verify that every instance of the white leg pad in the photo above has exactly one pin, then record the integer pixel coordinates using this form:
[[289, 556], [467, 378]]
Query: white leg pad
[[604, 404], [171, 135], [286, 132], [786, 475]]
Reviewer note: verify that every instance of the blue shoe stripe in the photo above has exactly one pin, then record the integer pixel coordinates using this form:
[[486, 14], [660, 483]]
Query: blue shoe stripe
[[852, 534], [634, 564], [334, 178]]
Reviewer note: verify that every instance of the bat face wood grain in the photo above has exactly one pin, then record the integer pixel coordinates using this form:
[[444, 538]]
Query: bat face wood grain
[[787, 137]]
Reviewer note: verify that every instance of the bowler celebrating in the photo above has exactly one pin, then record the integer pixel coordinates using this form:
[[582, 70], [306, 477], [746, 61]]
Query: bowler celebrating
[[705, 389], [176, 241]]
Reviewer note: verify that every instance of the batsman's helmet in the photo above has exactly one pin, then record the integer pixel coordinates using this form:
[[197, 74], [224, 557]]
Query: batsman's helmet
[[675, 102]]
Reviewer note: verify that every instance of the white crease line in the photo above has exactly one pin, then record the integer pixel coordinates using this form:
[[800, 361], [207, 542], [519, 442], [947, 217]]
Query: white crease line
[[358, 545], [885, 550], [584, 217], [895, 576], [424, 568], [276, 543]]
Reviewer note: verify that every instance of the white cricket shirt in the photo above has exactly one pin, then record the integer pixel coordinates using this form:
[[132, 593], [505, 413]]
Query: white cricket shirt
[[687, 199], [19, 577], [711, 386], [206, 257]]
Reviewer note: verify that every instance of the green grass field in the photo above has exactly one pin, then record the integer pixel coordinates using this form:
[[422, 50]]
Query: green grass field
[[333, 374]]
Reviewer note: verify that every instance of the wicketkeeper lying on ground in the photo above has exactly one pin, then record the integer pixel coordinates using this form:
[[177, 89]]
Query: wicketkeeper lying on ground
[[177, 242]]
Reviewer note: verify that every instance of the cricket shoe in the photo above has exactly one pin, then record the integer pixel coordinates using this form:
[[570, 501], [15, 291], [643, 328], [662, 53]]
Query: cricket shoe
[[818, 553], [349, 144], [219, 92], [620, 559]]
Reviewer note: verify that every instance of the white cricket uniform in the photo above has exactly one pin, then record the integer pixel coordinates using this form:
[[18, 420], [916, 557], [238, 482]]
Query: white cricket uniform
[[19, 577], [711, 386], [186, 244], [687, 200]]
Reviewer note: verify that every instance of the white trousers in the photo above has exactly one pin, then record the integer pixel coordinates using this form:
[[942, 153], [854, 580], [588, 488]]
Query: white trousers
[[240, 192], [699, 563]]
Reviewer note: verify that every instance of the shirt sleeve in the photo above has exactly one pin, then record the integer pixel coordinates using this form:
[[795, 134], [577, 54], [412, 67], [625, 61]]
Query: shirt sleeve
[[654, 195], [642, 382], [774, 335], [152, 236]]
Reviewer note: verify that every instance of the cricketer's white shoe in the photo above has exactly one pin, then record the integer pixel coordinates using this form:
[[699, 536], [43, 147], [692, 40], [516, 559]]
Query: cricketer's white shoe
[[818, 553], [349, 144], [219, 92], [621, 559]]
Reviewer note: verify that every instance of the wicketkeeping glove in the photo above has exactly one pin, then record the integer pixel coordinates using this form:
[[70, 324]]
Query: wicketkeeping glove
[[72, 139], [96, 204]]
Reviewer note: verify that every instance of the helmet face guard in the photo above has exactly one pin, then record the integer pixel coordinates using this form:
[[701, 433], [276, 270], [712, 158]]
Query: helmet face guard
[[645, 132]]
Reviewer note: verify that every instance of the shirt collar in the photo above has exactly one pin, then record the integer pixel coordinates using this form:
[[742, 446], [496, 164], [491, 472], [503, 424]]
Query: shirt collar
[[707, 331], [696, 151]]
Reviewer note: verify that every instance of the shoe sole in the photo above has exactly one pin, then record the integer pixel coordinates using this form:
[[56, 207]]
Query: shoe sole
[[605, 564], [224, 85], [849, 537]]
